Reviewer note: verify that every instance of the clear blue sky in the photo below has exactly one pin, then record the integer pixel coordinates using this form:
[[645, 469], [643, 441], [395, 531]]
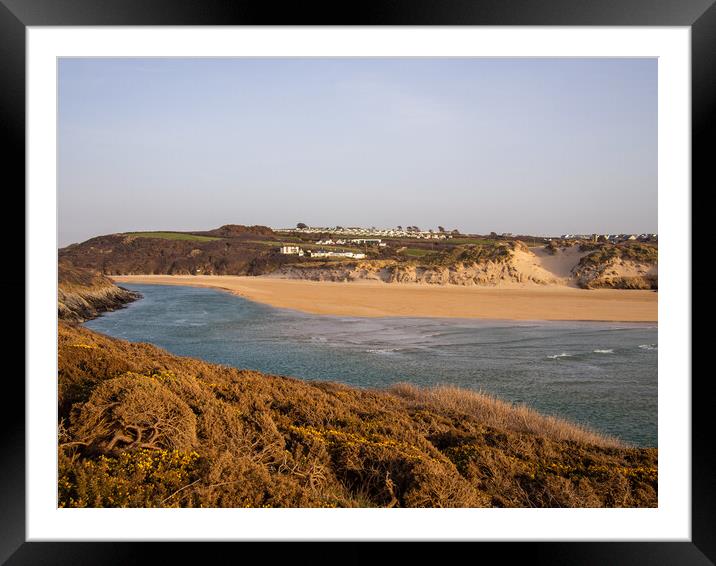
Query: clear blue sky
[[539, 146]]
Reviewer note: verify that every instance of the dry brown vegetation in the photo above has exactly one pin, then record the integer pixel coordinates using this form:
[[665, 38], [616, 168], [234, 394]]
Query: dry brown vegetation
[[498, 414], [141, 427]]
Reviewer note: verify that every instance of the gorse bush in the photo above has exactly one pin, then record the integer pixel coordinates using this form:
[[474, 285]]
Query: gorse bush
[[551, 247], [133, 478], [135, 411], [140, 427]]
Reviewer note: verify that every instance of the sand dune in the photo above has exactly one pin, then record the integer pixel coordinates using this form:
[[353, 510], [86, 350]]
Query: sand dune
[[371, 298], [559, 264], [525, 267]]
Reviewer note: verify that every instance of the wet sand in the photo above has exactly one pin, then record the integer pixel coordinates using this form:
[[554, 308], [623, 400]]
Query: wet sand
[[373, 299]]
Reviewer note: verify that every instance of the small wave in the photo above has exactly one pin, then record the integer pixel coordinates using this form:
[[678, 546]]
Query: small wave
[[604, 351], [648, 346], [562, 355], [382, 350]]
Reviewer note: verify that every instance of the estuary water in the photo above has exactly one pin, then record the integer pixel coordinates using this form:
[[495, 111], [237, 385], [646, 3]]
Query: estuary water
[[603, 375]]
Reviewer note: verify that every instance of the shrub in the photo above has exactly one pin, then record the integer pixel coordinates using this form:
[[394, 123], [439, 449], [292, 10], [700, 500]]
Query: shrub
[[137, 478], [135, 411]]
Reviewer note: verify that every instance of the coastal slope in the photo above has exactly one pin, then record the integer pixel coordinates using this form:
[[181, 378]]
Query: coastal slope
[[83, 294], [139, 427], [460, 261]]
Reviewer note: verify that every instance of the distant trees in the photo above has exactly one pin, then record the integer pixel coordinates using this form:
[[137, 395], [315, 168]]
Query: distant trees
[[441, 228], [301, 225], [399, 227]]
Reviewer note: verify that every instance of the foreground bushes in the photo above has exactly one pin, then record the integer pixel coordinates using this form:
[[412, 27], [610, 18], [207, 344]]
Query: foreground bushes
[[140, 427]]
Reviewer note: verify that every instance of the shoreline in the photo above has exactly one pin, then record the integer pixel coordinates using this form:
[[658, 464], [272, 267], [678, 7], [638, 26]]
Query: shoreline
[[376, 299]]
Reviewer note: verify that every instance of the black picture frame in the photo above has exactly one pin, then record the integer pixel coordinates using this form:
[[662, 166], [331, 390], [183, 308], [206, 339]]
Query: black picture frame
[[17, 15]]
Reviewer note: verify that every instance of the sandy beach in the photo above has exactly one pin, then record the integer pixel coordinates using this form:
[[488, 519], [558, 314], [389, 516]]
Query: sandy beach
[[374, 299]]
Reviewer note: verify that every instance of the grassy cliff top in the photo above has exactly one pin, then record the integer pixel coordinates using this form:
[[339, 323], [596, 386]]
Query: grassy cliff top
[[172, 236], [70, 277]]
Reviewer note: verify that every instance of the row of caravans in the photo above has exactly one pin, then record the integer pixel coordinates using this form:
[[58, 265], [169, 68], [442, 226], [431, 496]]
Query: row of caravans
[[296, 250]]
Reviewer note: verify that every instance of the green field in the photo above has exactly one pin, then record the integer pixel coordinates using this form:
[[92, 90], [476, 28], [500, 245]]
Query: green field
[[417, 252], [268, 243], [480, 241], [172, 236]]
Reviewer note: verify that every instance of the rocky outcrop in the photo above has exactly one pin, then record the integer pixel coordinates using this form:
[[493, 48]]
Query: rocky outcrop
[[83, 294]]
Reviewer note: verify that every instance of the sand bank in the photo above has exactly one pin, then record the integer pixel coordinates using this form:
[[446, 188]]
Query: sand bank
[[372, 298]]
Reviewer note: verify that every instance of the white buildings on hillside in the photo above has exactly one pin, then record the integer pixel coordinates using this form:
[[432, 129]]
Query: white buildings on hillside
[[371, 233], [612, 238], [295, 250], [291, 250], [366, 241], [325, 253], [357, 241]]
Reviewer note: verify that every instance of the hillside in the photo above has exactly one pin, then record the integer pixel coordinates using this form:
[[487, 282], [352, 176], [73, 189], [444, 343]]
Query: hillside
[[83, 294], [141, 427], [231, 249], [254, 251]]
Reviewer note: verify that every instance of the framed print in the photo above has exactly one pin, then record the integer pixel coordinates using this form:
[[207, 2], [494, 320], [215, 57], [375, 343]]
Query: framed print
[[392, 278]]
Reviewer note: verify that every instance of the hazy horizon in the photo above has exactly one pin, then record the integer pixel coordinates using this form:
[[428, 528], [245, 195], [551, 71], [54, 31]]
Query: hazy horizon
[[527, 146]]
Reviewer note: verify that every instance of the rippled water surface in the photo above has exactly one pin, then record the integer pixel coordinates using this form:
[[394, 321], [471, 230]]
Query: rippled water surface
[[601, 374]]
